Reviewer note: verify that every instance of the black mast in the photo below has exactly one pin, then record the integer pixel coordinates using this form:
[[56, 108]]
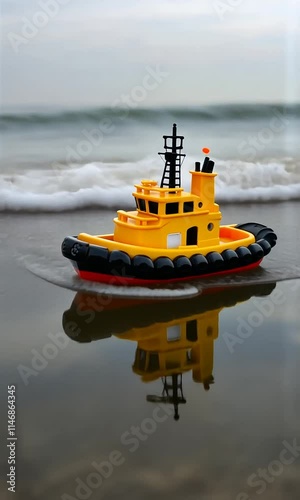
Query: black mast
[[173, 145], [172, 393]]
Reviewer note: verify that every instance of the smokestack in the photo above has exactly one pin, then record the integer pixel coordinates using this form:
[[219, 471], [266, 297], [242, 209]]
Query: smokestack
[[208, 165]]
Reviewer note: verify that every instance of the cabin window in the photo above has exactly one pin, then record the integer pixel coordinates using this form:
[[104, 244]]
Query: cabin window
[[141, 204], [188, 206], [173, 240], [191, 330], [172, 208], [153, 207], [141, 359], [153, 365], [173, 333]]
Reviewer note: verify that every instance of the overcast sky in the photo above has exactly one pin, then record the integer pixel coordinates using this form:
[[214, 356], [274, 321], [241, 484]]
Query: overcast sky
[[91, 52]]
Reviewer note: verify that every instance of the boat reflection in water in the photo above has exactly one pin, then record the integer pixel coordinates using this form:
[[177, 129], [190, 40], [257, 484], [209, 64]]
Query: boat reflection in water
[[173, 336]]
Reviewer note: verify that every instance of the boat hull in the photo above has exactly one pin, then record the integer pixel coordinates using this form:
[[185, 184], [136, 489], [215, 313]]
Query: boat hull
[[110, 279], [97, 263]]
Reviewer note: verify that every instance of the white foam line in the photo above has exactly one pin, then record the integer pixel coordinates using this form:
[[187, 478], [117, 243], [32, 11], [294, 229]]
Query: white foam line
[[63, 277], [110, 185]]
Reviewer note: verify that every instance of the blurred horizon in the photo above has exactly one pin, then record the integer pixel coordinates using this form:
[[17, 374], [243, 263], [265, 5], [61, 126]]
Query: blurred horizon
[[54, 108]]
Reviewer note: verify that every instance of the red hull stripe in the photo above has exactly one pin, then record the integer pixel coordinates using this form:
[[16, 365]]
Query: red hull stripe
[[121, 280]]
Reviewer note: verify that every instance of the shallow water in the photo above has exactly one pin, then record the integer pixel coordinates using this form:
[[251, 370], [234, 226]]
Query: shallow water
[[85, 366]]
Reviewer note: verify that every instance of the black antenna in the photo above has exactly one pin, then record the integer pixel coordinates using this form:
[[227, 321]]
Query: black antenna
[[173, 145]]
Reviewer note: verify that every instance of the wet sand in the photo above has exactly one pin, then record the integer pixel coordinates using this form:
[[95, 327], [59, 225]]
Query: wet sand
[[84, 368]]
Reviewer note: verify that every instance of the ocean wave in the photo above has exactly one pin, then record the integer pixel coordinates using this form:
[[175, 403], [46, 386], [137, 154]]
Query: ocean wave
[[148, 116], [110, 185]]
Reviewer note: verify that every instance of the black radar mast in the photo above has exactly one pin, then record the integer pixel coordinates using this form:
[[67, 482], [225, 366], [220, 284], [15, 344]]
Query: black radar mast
[[173, 145]]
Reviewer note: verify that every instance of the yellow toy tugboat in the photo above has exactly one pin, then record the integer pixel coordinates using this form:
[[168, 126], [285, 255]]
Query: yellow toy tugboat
[[173, 235]]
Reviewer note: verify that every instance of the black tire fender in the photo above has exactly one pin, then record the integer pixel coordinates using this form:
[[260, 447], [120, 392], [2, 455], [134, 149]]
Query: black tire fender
[[142, 266], [265, 245], [164, 267], [120, 262], [199, 263], [74, 249], [230, 258], [182, 265], [215, 260], [244, 255], [256, 251]]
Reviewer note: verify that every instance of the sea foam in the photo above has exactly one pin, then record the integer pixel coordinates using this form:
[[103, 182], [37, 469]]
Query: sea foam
[[110, 185]]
